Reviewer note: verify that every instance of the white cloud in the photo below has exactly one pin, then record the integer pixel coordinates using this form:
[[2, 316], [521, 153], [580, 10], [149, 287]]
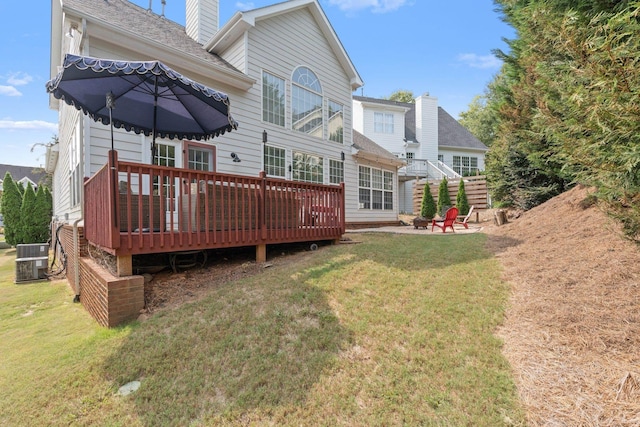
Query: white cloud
[[19, 79], [9, 91], [377, 6], [480, 61], [240, 5], [28, 125]]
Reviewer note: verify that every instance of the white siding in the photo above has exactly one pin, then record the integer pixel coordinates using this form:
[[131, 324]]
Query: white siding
[[354, 212], [236, 54], [405, 196], [202, 19], [278, 45], [427, 127], [358, 117]]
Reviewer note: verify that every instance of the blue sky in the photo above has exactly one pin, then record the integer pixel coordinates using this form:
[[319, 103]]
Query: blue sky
[[440, 47]]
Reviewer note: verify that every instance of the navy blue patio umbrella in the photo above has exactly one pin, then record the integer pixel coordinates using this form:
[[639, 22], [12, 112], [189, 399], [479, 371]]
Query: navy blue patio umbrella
[[144, 97]]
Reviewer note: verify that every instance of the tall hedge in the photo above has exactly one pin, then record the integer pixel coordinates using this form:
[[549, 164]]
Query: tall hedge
[[29, 220], [461, 199], [43, 215], [11, 206], [443, 195]]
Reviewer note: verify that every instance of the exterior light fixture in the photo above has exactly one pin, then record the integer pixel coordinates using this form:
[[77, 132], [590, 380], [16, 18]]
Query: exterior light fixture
[[235, 158]]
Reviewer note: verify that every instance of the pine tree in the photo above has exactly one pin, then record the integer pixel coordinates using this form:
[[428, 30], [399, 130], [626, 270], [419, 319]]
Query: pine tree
[[11, 205], [428, 206], [29, 220], [461, 199], [43, 215], [443, 195]]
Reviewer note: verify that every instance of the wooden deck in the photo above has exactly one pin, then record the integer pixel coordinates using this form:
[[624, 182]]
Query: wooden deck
[[131, 209]]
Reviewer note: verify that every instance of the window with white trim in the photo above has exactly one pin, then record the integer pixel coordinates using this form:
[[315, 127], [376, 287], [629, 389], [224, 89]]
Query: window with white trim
[[306, 102], [165, 156], [336, 121], [307, 168], [272, 99], [274, 161], [199, 158], [375, 188], [465, 165], [75, 174], [336, 171], [364, 187], [388, 190], [383, 122]]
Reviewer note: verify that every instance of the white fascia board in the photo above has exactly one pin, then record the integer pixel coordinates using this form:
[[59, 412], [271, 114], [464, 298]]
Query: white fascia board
[[459, 148], [365, 155], [229, 33]]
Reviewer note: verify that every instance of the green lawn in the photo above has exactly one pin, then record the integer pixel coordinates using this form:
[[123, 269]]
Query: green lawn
[[396, 330]]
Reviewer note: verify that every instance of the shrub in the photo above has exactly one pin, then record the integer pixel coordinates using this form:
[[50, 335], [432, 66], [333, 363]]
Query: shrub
[[461, 199], [29, 220], [428, 207], [11, 206], [443, 195]]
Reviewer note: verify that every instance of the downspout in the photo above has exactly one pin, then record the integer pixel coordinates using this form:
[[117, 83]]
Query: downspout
[[76, 245], [76, 253]]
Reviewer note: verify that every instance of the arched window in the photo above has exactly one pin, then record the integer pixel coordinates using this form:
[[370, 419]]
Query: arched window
[[306, 102]]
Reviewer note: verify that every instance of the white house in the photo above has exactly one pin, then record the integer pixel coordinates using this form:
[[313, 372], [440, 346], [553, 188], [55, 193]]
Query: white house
[[290, 82], [432, 142], [288, 49]]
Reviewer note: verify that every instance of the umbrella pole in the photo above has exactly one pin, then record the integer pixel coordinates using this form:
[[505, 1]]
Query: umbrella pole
[[155, 118], [112, 154]]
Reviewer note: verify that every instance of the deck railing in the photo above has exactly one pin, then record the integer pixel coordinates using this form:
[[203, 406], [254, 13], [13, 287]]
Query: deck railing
[[132, 208]]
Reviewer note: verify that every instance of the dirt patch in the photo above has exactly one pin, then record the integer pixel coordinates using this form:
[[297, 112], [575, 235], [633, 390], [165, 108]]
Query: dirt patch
[[166, 290], [572, 328]]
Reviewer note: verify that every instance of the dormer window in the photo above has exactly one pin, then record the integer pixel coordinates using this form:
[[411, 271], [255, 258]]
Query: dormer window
[[306, 102]]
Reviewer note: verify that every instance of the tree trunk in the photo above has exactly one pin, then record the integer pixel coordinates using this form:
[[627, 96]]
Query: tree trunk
[[500, 217]]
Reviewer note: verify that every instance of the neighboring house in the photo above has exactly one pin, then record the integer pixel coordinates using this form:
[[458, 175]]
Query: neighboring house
[[290, 84], [432, 142], [24, 175]]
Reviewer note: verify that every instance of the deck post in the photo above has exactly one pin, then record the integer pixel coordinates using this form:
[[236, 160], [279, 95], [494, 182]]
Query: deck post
[[124, 265], [261, 253]]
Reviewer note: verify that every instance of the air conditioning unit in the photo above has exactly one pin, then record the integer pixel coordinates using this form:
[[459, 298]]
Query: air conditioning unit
[[32, 250], [31, 269]]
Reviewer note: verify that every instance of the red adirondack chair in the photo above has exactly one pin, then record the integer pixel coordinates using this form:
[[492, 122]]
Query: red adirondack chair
[[448, 221]]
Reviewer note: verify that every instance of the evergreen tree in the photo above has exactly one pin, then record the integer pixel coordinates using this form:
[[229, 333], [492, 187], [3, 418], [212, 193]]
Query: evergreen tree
[[20, 188], [428, 206], [11, 205], [29, 220], [461, 199], [43, 215], [443, 195]]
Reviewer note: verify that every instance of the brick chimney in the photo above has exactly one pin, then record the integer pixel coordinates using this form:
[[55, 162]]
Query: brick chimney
[[202, 19]]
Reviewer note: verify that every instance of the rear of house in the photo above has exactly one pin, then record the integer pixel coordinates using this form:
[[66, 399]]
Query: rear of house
[[290, 82]]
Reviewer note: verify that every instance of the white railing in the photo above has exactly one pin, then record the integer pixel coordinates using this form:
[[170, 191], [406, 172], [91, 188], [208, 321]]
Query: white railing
[[423, 168]]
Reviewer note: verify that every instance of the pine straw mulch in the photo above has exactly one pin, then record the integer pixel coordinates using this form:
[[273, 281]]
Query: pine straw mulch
[[572, 327]]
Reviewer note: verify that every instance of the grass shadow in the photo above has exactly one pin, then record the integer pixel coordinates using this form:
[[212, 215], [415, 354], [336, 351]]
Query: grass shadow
[[262, 343]]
